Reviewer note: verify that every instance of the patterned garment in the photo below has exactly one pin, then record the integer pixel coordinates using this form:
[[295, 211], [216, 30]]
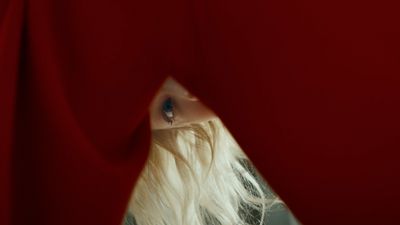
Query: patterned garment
[[129, 219]]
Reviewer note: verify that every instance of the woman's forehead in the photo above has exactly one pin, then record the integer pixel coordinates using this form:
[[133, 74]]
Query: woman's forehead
[[172, 86]]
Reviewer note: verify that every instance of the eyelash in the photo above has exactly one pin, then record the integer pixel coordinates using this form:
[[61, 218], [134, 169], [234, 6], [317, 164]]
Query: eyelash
[[167, 110]]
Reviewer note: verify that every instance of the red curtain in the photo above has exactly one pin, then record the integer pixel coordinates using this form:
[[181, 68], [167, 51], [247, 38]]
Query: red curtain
[[309, 88]]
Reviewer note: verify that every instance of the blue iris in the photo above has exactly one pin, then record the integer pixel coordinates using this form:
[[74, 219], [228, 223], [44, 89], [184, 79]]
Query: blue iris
[[168, 110], [168, 106]]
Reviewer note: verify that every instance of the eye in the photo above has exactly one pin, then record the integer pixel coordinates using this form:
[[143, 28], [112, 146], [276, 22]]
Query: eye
[[168, 110]]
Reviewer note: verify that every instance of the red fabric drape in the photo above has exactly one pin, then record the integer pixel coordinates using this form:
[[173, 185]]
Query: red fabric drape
[[310, 89]]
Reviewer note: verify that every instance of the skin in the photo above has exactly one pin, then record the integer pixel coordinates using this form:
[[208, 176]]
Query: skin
[[186, 108]]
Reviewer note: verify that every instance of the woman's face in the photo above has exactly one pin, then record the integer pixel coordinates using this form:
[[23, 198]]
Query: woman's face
[[174, 106]]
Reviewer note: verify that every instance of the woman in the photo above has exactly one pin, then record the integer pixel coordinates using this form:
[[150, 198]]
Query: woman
[[195, 174]]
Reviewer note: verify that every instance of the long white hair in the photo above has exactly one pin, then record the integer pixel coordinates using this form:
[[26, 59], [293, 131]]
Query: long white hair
[[195, 176]]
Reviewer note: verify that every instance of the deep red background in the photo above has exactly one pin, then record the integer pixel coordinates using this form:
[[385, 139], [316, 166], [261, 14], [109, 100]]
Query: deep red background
[[309, 88]]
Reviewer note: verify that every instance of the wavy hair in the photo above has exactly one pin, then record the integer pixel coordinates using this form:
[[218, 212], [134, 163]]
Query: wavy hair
[[195, 175]]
